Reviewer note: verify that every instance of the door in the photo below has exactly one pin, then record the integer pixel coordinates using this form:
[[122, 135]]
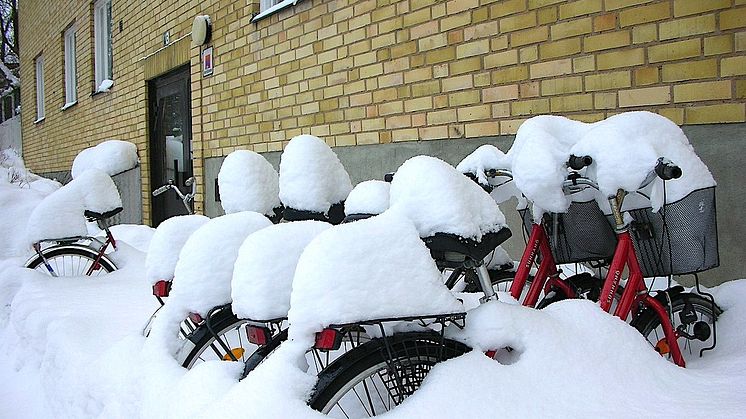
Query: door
[[170, 142]]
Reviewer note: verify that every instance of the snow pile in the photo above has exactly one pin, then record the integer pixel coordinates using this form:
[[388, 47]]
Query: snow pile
[[248, 182], [16, 206], [538, 158], [311, 176], [369, 269], [439, 199], [369, 197], [626, 147], [263, 273], [111, 157], [166, 243], [60, 214], [204, 270]]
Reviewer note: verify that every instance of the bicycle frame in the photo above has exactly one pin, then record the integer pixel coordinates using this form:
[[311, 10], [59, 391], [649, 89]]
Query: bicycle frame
[[96, 265], [547, 275]]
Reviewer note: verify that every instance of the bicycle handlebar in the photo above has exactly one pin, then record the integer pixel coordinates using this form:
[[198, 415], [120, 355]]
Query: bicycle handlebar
[[666, 170], [162, 189], [579, 162]]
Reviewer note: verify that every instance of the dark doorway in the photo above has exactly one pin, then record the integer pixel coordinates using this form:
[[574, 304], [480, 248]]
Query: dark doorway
[[170, 141]]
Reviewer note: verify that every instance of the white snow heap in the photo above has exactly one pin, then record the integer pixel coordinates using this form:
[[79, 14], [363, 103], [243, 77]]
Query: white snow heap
[[263, 272], [203, 273], [166, 244], [368, 197], [626, 147], [112, 157], [538, 158], [370, 269], [248, 182], [439, 199], [311, 176], [61, 213]]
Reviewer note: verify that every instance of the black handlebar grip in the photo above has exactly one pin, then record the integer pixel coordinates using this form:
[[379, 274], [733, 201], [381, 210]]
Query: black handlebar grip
[[667, 170], [388, 177], [579, 162]]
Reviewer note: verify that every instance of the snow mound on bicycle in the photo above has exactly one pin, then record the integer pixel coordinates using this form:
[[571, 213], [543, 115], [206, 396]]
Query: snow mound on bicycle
[[166, 244], [439, 199], [248, 182], [370, 269], [112, 157], [263, 272], [311, 175], [626, 147], [368, 197]]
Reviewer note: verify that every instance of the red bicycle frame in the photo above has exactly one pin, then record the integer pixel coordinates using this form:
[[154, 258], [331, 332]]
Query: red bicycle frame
[[96, 265], [547, 275]]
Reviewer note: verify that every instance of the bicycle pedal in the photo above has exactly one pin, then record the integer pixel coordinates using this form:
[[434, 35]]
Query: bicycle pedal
[[662, 347]]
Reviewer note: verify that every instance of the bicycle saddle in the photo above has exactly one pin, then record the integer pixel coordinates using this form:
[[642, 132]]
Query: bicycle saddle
[[101, 216], [443, 245]]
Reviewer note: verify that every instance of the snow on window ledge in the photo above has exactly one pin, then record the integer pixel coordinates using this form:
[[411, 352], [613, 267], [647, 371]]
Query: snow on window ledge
[[105, 86], [69, 105], [274, 9], [39, 120]]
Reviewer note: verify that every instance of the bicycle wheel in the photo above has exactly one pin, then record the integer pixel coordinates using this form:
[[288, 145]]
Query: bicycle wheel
[[201, 345], [692, 317], [71, 260], [367, 381]]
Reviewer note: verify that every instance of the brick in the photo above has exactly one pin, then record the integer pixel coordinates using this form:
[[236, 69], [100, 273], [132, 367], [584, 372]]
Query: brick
[[517, 22], [463, 98], [674, 114], [561, 48], [482, 30], [432, 42], [529, 36], [499, 43], [472, 113], [688, 7], [440, 55], [419, 104], [457, 83], [571, 103], [714, 114], [606, 41], [604, 22], [501, 59], [510, 126], [584, 64], [733, 66], [467, 65], [644, 14], [690, 70], [441, 117], [373, 124], [398, 121], [507, 7], [551, 68], [427, 88], [530, 107], [415, 18], [561, 86], [528, 54], [740, 42], [481, 129], [579, 8], [716, 45], [644, 96], [455, 21], [391, 107], [433, 133], [546, 15], [482, 79], [608, 81], [423, 30], [528, 90], [644, 33], [605, 100], [710, 90], [456, 6], [501, 110], [646, 76], [535, 4], [619, 4], [681, 28], [740, 89], [405, 135], [733, 18], [510, 74], [471, 49], [419, 74], [500, 93], [571, 28], [619, 59], [674, 50]]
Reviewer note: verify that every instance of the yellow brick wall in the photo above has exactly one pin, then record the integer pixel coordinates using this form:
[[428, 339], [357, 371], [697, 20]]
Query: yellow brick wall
[[380, 71]]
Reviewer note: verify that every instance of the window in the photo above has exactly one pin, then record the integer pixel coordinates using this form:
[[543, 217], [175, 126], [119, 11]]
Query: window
[[266, 4], [269, 7], [102, 46], [39, 88], [71, 79]]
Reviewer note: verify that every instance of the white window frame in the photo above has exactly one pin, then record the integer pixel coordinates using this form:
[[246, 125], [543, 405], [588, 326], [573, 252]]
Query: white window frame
[[269, 7], [71, 78], [102, 44], [39, 64]]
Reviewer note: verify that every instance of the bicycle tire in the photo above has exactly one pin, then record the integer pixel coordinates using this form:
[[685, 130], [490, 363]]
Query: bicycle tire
[[202, 344], [71, 260], [649, 324], [413, 355]]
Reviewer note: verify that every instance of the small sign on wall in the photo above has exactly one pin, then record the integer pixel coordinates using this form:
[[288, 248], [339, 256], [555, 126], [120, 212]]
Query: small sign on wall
[[207, 62]]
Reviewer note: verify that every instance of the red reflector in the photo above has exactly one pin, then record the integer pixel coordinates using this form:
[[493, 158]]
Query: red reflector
[[491, 354], [195, 317], [328, 340], [258, 335], [162, 288]]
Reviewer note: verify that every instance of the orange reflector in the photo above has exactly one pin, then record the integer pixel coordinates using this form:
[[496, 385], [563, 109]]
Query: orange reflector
[[662, 347], [237, 353]]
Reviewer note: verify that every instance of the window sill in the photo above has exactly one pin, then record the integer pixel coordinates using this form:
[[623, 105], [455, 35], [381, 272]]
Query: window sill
[[274, 9], [69, 105], [39, 120]]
